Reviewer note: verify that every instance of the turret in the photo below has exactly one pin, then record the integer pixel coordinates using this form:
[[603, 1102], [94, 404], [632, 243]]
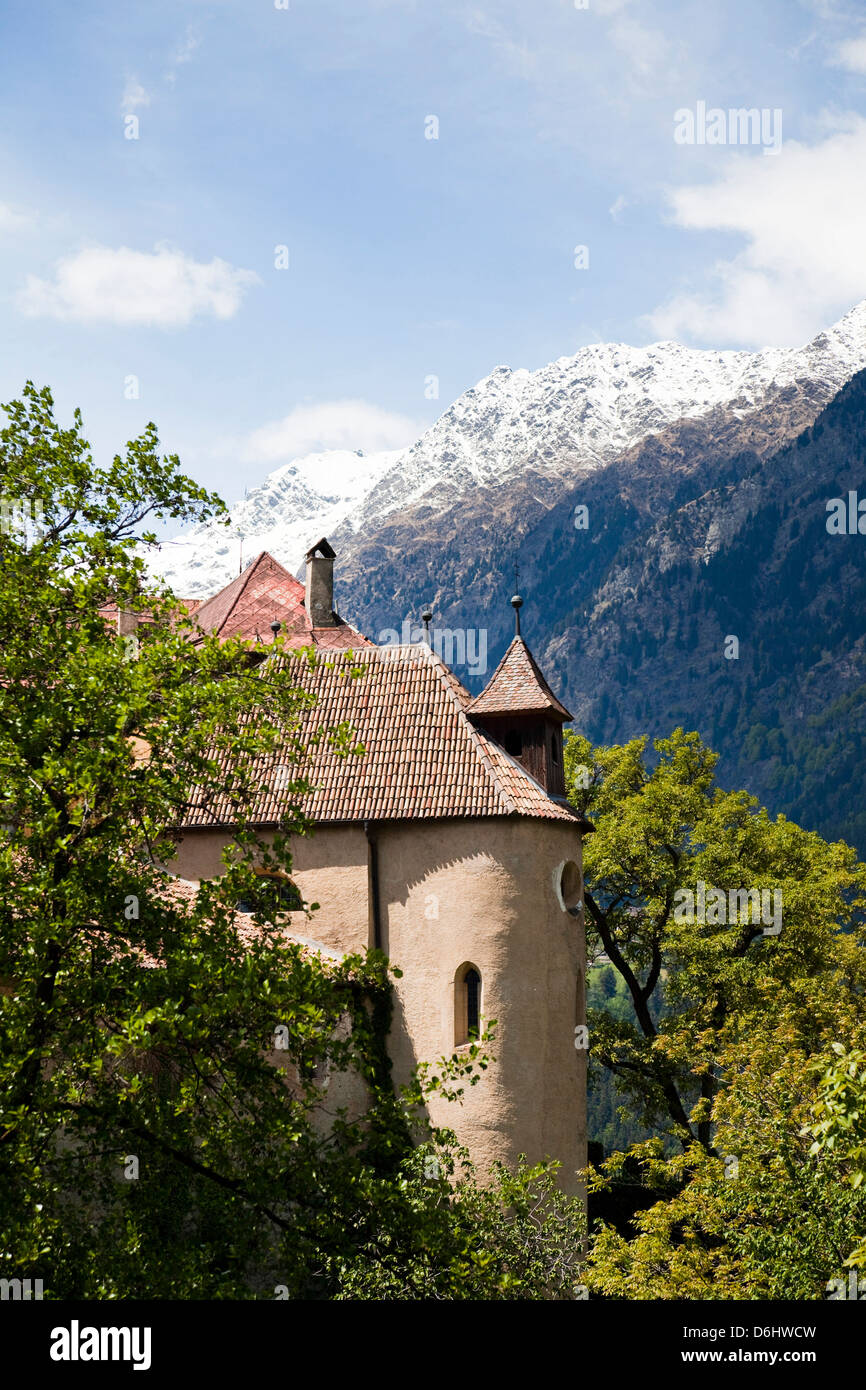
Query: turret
[[520, 711]]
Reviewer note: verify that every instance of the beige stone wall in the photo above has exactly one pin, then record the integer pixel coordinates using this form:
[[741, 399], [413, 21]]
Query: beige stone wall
[[482, 891], [330, 868]]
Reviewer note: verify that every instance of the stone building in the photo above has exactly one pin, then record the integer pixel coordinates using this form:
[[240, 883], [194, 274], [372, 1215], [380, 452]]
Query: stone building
[[449, 844]]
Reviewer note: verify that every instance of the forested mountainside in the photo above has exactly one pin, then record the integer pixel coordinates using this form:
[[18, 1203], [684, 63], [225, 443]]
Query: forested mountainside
[[701, 534], [750, 558]]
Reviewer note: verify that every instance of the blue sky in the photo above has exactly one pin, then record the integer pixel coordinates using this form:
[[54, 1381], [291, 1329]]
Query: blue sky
[[409, 257]]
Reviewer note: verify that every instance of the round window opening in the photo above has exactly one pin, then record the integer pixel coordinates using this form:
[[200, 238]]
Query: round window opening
[[569, 888]]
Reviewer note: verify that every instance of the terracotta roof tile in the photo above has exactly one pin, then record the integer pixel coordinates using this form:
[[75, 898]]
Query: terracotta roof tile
[[424, 758], [265, 591], [517, 686]]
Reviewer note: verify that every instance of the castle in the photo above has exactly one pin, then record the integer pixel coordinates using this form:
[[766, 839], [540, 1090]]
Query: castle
[[450, 845]]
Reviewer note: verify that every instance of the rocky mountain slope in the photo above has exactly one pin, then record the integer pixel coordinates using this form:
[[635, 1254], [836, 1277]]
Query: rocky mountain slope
[[567, 420], [699, 482], [749, 558]]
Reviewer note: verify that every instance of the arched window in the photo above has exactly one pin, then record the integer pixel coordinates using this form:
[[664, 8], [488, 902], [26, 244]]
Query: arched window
[[275, 894], [514, 743], [467, 1004]]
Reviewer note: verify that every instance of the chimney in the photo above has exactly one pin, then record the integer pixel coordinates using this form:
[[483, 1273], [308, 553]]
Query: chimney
[[127, 625], [127, 622], [320, 585]]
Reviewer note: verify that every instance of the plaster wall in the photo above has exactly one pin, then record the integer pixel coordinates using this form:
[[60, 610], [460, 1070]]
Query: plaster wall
[[329, 867], [484, 892], [452, 893]]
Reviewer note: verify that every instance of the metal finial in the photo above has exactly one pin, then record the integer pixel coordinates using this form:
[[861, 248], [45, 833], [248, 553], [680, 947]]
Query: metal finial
[[275, 628], [517, 604], [426, 618], [517, 601]]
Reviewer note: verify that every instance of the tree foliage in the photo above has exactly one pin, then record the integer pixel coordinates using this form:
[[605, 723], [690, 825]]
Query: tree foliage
[[731, 1026], [191, 1105]]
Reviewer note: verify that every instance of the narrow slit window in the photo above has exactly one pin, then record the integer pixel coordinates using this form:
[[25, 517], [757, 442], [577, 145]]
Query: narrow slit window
[[472, 984], [467, 1004]]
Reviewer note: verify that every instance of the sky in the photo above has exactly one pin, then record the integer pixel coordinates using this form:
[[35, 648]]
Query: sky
[[276, 227]]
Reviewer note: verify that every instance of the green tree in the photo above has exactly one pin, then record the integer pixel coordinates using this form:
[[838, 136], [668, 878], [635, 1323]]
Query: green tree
[[732, 1015], [767, 1217], [666, 832], [163, 1132], [838, 1124]]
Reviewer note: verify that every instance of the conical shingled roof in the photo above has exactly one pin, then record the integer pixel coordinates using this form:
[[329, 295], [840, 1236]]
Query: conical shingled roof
[[518, 687]]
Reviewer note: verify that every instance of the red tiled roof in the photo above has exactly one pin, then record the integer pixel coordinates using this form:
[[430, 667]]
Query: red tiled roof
[[109, 611], [265, 591], [424, 759], [518, 687]]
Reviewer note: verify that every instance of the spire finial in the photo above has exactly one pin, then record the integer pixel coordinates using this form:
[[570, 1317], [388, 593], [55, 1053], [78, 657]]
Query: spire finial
[[517, 601], [426, 618]]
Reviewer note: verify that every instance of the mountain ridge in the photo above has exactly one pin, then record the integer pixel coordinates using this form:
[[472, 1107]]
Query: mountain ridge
[[708, 527], [564, 419]]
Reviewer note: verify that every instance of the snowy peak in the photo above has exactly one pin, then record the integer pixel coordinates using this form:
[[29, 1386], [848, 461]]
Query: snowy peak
[[574, 415], [299, 501]]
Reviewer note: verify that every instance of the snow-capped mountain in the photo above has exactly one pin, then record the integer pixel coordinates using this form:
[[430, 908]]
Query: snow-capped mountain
[[574, 416], [299, 502]]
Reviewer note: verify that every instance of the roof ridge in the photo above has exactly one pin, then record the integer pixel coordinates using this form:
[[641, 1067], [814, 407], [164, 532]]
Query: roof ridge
[[444, 672], [245, 575]]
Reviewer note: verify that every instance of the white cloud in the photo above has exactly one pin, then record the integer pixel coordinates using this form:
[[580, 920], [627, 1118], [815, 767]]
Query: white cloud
[[164, 288], [618, 206], [542, 52], [646, 49], [134, 95], [516, 55], [851, 54], [13, 219], [346, 424], [803, 215], [187, 46], [183, 53]]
